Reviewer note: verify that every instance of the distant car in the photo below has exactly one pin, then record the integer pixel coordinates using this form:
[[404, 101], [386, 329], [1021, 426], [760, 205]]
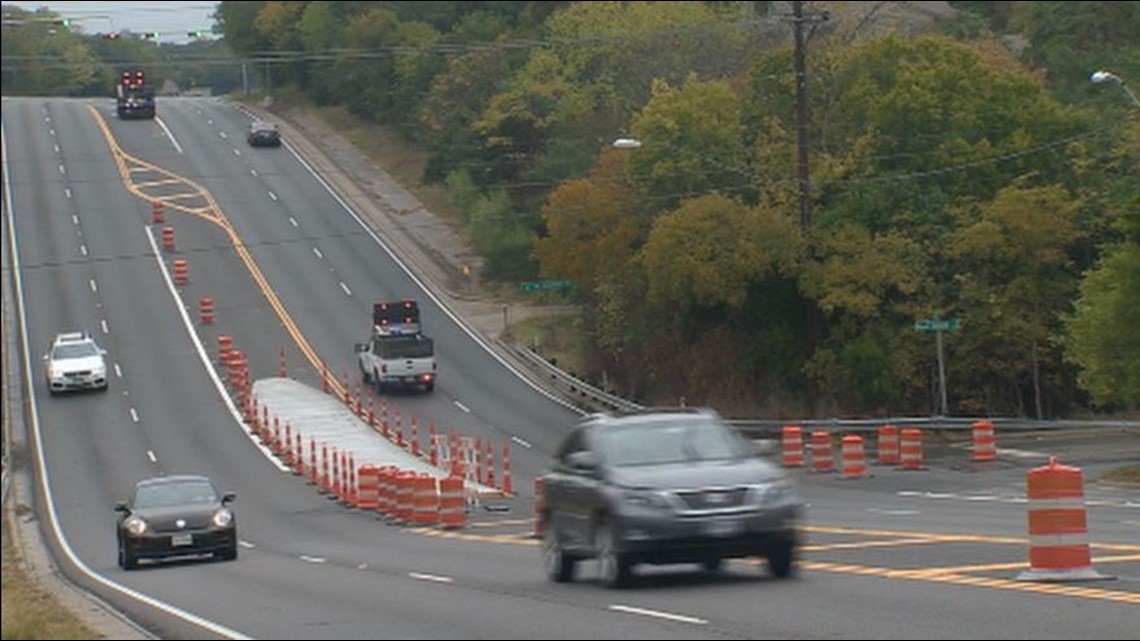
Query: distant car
[[75, 361], [175, 516], [263, 134], [663, 486]]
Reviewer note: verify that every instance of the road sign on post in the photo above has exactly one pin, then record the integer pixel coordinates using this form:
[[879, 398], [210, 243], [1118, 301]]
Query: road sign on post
[[938, 326]]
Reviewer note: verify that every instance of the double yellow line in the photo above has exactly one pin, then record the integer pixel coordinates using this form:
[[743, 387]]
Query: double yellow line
[[129, 165]]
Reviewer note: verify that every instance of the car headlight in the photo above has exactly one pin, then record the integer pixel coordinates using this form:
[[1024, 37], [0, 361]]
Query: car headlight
[[222, 517], [647, 499], [773, 493], [136, 526]]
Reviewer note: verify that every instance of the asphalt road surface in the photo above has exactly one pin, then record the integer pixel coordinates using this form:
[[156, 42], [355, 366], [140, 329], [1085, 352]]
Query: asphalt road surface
[[900, 554]]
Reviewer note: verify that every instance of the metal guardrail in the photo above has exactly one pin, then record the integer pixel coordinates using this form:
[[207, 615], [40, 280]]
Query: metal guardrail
[[591, 398]]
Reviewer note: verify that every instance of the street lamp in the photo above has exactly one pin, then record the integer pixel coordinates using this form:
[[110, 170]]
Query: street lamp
[[1101, 76]]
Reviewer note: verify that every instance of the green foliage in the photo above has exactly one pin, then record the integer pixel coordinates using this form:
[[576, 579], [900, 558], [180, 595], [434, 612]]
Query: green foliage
[[502, 238], [1105, 330]]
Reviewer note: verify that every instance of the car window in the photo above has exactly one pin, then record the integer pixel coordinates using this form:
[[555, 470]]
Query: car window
[[575, 442], [74, 350], [162, 494], [679, 441]]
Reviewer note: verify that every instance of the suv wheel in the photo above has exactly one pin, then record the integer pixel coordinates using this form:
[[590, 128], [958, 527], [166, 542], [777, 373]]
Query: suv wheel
[[614, 568], [559, 566], [782, 559]]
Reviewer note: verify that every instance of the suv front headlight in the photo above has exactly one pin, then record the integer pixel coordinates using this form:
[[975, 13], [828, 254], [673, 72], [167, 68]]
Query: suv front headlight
[[647, 499], [222, 517], [136, 525], [772, 493]]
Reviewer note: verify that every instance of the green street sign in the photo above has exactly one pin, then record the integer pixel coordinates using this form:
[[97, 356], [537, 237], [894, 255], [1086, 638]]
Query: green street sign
[[937, 325], [539, 285]]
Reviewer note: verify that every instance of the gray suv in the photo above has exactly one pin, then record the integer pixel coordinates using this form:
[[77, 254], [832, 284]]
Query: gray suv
[[663, 486]]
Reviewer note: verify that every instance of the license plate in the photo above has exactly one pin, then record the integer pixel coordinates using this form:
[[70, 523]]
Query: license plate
[[722, 527], [179, 540]]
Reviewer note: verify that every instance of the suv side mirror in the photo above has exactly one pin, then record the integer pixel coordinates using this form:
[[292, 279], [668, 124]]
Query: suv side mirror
[[585, 462], [228, 497], [121, 506]]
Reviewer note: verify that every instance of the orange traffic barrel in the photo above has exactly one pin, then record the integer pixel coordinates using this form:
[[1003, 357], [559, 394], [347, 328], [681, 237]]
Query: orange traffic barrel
[[405, 495], [792, 446], [206, 310], [368, 484], [888, 450], [425, 503], [225, 347], [910, 452], [1058, 530], [157, 212], [539, 508], [985, 445], [821, 460], [854, 462], [168, 239], [452, 507], [181, 275]]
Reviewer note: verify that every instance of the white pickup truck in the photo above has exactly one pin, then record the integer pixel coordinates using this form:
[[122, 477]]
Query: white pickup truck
[[398, 354]]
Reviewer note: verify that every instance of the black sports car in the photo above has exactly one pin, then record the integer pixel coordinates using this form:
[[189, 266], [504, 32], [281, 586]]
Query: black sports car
[[175, 516]]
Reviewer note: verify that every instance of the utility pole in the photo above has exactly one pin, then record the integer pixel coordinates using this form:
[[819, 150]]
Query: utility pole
[[800, 66]]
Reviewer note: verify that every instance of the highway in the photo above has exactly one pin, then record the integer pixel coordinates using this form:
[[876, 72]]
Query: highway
[[931, 554]]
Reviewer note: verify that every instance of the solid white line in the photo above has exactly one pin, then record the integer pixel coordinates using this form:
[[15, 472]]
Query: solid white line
[[134, 415], [150, 455], [169, 134], [430, 577], [273, 195], [317, 251], [345, 288], [293, 222], [106, 329], [207, 363], [312, 559], [36, 426], [521, 442], [462, 407], [94, 287], [876, 510], [656, 613]]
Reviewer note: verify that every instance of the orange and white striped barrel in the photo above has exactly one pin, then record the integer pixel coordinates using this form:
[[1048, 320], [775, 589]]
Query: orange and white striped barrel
[[910, 451], [539, 507], [821, 457], [888, 450], [1058, 530], [985, 445], [157, 212], [425, 503], [405, 495], [168, 239], [792, 446], [386, 503], [368, 492], [452, 507], [854, 462], [181, 271]]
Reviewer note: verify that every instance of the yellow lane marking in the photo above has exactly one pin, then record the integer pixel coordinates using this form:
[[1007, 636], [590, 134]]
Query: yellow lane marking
[[953, 538], [158, 183], [990, 567], [822, 547], [503, 523], [212, 212]]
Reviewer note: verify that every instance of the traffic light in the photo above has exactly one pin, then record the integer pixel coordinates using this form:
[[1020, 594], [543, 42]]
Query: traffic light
[[62, 22], [150, 35], [110, 36], [196, 34]]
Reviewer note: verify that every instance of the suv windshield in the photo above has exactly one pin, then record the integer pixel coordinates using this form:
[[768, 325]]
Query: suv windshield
[[661, 442]]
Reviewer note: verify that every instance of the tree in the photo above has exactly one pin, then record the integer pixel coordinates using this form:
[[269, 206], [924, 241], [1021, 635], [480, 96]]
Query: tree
[[593, 228]]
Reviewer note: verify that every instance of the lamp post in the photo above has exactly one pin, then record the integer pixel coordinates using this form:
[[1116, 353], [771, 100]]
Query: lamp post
[[1103, 76]]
